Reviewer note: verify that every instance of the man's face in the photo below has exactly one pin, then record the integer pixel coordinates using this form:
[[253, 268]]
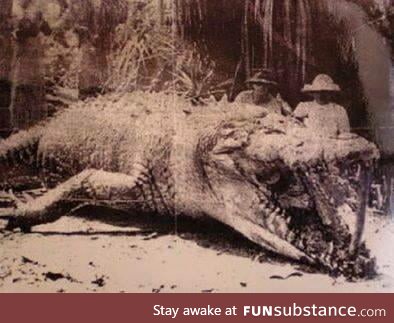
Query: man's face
[[260, 93], [322, 97]]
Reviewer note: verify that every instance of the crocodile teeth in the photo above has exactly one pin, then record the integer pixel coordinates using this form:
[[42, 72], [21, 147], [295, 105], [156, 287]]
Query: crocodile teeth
[[270, 222], [330, 248], [299, 244], [290, 237], [263, 208], [277, 211], [282, 228]]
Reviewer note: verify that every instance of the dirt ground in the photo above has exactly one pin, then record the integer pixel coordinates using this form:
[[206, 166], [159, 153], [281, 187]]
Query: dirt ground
[[84, 255]]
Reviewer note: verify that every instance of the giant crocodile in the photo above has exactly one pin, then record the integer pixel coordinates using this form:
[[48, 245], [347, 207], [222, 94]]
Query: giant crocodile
[[264, 175]]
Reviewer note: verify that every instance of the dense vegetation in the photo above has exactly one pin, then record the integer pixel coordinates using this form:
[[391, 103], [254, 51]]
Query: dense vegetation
[[86, 47]]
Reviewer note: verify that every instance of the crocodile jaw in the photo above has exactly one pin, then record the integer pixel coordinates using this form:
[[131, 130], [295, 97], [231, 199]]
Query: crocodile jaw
[[267, 239]]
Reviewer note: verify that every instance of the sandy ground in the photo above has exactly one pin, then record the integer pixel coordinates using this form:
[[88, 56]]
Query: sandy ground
[[83, 255]]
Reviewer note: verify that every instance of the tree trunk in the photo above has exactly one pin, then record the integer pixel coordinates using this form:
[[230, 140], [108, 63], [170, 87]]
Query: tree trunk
[[161, 11], [245, 40], [6, 54], [28, 105], [5, 38]]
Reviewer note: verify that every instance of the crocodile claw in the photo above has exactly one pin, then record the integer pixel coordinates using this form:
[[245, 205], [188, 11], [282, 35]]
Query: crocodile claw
[[15, 223]]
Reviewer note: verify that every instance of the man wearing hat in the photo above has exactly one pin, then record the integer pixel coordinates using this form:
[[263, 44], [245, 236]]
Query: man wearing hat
[[325, 117], [264, 86]]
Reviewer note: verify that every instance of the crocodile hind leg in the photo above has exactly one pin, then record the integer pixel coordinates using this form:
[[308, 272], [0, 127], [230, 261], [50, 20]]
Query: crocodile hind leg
[[94, 185]]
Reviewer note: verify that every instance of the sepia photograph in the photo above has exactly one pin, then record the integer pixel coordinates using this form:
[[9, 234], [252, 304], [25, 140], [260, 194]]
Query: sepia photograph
[[196, 146]]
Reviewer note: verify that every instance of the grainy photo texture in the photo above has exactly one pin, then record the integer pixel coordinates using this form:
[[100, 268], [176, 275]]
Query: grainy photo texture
[[196, 146]]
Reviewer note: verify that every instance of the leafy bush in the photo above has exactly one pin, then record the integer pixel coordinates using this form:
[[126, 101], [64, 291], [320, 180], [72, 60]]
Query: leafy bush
[[192, 74]]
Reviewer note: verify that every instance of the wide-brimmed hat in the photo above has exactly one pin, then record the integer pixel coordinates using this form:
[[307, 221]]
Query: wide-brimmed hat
[[264, 76], [322, 83]]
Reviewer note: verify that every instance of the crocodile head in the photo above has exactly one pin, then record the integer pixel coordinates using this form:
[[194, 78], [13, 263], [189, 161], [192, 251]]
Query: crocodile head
[[306, 194]]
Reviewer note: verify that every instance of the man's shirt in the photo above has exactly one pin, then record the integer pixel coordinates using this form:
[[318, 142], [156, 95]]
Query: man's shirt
[[276, 105], [326, 120]]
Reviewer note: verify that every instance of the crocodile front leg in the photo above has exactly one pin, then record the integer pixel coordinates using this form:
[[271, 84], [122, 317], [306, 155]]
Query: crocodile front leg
[[95, 185]]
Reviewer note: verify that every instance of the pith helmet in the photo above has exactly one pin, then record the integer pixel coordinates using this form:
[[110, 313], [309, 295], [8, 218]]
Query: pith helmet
[[264, 76], [322, 83]]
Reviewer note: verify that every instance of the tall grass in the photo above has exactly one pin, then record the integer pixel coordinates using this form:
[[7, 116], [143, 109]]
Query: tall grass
[[142, 46]]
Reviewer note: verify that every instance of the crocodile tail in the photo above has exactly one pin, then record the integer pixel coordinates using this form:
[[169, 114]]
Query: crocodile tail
[[21, 148]]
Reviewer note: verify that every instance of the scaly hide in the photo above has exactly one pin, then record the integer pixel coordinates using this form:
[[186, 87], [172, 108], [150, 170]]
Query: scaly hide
[[265, 175]]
